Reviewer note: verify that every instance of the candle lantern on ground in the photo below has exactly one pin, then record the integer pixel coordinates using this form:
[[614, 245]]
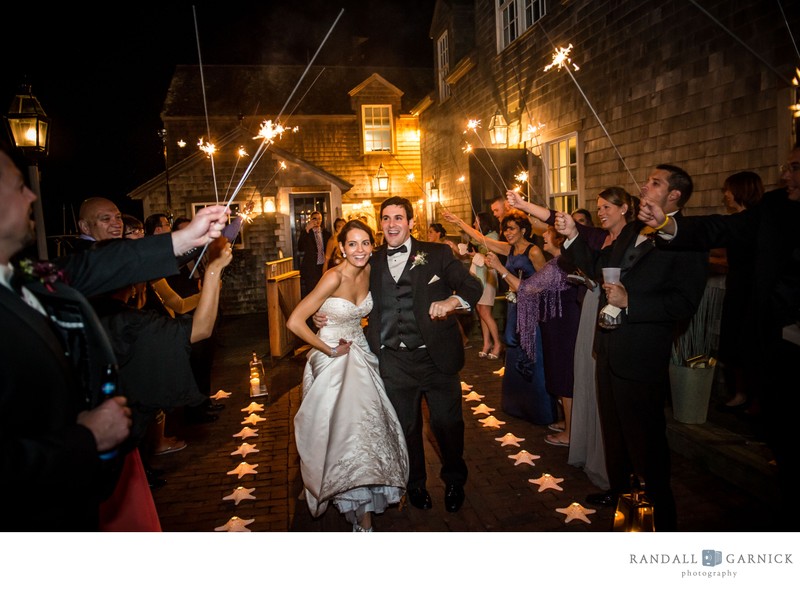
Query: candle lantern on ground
[[258, 379]]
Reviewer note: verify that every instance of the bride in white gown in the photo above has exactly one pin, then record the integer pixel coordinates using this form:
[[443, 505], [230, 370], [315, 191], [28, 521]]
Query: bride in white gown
[[351, 446]]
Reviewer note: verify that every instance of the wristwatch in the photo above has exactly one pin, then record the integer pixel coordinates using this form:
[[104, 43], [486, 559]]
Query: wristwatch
[[333, 352]]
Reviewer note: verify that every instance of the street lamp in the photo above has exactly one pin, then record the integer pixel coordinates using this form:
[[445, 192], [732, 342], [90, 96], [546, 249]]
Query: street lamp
[[29, 127], [498, 129], [383, 178]]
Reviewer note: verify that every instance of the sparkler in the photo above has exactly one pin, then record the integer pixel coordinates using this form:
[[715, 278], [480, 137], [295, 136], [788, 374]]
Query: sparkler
[[239, 154], [266, 130], [563, 61]]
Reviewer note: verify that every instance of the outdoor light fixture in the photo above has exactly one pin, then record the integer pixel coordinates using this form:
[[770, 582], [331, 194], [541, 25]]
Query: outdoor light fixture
[[29, 127], [383, 178], [498, 129], [433, 192]]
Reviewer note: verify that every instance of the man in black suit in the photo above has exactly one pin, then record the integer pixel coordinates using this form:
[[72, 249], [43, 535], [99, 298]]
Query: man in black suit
[[312, 242], [415, 286], [52, 477], [656, 290], [770, 230]]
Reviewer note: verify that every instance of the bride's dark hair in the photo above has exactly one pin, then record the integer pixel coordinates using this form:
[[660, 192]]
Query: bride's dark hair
[[355, 223]]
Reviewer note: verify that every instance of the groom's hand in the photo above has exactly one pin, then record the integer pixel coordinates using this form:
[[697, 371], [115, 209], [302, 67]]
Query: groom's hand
[[320, 319], [441, 308]]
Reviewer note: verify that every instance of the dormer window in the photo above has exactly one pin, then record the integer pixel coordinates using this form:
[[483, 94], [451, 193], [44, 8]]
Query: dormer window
[[377, 128]]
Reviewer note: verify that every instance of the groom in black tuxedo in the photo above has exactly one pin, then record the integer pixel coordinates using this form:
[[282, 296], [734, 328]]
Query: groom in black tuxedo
[[415, 286]]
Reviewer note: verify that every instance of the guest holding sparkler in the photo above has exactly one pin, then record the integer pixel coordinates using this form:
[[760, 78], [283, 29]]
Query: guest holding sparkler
[[615, 209], [43, 373], [657, 290], [770, 228], [351, 444], [524, 393]]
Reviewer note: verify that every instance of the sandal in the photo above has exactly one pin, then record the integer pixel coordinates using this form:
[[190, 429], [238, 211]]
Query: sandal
[[551, 439], [555, 427], [482, 354], [174, 446], [492, 356]]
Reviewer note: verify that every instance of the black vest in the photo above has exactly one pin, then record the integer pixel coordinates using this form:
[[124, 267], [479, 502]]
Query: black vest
[[398, 324]]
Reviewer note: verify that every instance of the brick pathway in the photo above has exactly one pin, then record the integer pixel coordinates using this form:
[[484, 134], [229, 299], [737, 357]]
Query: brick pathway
[[499, 497]]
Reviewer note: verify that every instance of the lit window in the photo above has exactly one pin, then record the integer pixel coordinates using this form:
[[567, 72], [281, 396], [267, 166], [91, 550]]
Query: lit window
[[377, 128], [514, 17], [562, 167], [443, 62]]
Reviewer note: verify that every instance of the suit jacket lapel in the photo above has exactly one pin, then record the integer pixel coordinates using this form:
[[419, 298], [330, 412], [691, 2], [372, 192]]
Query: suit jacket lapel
[[33, 318]]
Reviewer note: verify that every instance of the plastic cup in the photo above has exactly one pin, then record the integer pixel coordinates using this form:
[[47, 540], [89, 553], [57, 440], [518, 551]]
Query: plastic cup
[[611, 275]]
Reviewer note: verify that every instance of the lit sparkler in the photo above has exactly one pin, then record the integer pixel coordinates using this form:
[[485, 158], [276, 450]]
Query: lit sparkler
[[181, 143], [207, 147], [410, 177], [562, 60]]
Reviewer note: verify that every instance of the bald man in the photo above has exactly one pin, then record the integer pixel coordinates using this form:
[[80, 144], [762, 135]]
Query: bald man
[[99, 219]]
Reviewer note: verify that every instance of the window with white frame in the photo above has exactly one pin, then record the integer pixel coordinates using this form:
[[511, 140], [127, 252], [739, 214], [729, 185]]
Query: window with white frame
[[562, 168], [377, 125], [514, 17], [443, 62]]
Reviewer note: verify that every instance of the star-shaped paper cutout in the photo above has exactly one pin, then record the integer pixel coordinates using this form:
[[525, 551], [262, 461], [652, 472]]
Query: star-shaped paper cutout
[[253, 418], [547, 481], [465, 386], [482, 408], [220, 394], [500, 372], [523, 456], [491, 422], [235, 524], [575, 511], [253, 407], [472, 396], [243, 469], [241, 493], [246, 433], [245, 449], [510, 440]]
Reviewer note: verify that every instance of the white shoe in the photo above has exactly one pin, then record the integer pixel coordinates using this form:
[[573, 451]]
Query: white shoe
[[358, 528]]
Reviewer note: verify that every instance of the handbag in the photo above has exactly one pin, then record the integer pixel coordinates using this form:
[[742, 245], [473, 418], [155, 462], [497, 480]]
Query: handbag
[[634, 510]]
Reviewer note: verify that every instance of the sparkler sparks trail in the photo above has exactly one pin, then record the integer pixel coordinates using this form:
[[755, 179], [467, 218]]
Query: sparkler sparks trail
[[556, 58], [263, 145], [561, 59], [206, 147]]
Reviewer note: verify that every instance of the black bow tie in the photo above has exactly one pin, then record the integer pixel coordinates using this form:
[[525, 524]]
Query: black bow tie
[[400, 249]]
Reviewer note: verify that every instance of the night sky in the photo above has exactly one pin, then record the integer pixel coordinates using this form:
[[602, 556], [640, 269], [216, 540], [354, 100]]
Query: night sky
[[102, 78]]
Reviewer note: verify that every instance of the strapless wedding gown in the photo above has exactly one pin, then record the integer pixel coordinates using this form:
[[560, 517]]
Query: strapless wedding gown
[[351, 445]]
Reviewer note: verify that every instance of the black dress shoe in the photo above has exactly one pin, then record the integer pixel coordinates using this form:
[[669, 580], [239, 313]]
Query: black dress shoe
[[211, 407], [420, 498], [604, 498], [453, 498]]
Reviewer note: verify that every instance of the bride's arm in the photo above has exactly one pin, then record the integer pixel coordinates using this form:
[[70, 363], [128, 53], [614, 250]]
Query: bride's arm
[[296, 323]]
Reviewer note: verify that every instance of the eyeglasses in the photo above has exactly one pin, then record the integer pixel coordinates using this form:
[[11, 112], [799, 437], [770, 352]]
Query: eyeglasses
[[790, 167]]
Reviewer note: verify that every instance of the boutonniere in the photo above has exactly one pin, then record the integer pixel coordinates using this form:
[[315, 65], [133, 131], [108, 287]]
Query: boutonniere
[[420, 258], [44, 271]]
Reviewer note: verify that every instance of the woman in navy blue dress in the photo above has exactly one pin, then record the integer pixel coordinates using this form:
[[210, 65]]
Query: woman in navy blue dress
[[523, 394]]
